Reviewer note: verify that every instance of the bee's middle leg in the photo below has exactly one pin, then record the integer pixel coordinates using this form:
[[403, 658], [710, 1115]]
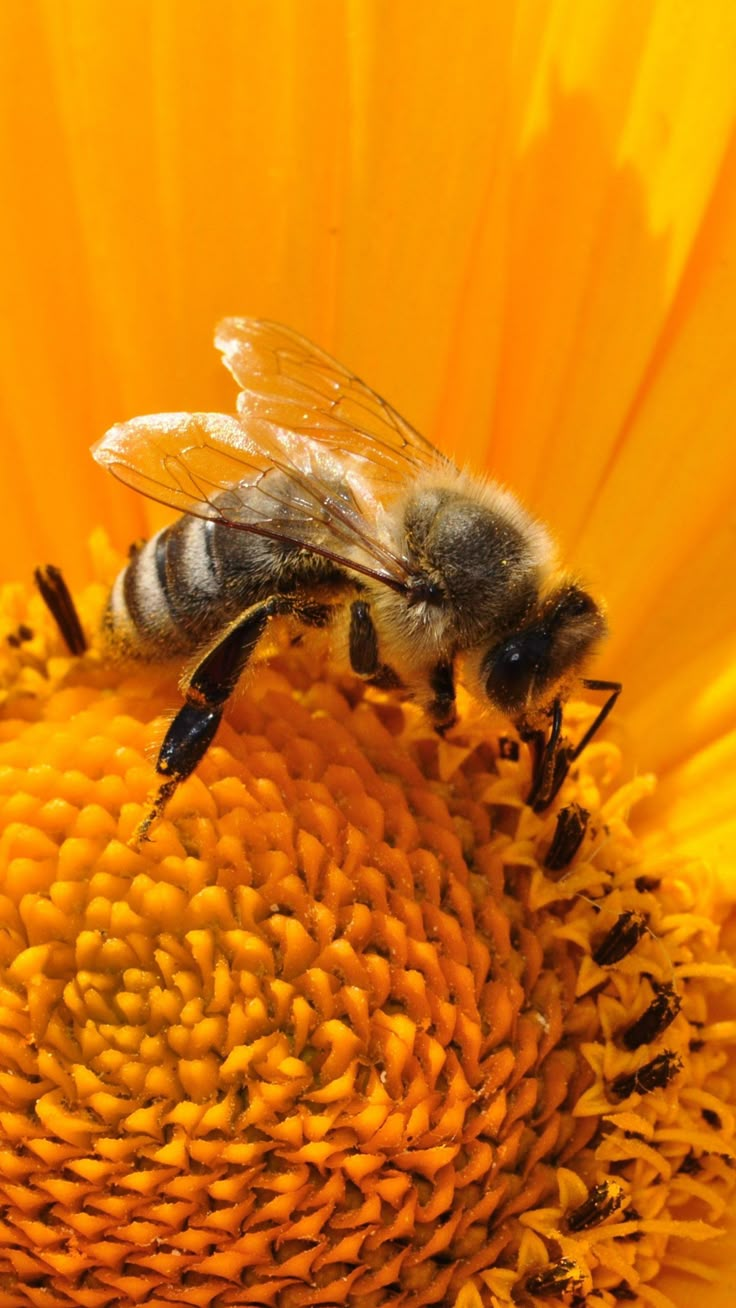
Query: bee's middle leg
[[363, 648], [441, 708], [213, 681]]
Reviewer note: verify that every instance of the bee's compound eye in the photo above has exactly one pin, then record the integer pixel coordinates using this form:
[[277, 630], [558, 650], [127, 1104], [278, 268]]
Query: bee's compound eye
[[510, 669]]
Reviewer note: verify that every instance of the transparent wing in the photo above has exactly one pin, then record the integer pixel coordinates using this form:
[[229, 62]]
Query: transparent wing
[[209, 465], [301, 393]]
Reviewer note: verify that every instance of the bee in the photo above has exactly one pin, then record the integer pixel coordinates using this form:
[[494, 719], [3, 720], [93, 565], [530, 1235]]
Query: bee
[[318, 503]]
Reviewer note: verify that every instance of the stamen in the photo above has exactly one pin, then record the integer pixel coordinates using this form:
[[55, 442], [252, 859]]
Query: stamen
[[604, 1199], [621, 939], [654, 1075], [572, 824], [656, 1018], [562, 1277], [57, 598]]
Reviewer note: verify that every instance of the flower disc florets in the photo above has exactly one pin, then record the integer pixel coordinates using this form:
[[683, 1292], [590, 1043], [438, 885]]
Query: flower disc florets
[[354, 1026]]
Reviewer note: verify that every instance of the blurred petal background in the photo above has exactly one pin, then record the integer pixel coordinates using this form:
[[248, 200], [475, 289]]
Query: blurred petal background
[[518, 222]]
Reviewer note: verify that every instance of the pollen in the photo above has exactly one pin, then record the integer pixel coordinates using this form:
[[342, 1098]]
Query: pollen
[[353, 1026]]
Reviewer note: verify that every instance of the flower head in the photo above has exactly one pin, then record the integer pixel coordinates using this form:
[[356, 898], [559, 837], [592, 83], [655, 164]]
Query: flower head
[[354, 1019], [355, 1025]]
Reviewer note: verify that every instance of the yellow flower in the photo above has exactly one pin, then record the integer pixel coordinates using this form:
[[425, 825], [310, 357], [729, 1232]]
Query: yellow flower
[[343, 1032]]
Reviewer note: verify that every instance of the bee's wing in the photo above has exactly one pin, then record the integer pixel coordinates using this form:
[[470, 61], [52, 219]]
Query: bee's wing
[[209, 465], [302, 393]]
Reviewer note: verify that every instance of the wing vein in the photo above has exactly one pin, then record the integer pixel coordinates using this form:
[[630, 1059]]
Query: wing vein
[[313, 458]]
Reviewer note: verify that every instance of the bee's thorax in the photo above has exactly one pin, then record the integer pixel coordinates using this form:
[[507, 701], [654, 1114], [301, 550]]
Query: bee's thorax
[[474, 556]]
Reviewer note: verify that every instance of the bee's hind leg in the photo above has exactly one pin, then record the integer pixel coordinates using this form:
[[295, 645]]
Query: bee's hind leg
[[211, 684]]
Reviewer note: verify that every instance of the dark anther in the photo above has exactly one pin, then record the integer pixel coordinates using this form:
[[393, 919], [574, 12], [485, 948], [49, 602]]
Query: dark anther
[[572, 823], [633, 1215], [690, 1164], [712, 1118], [21, 634], [57, 598], [655, 1019], [603, 1200], [558, 1278], [625, 933], [654, 1075], [624, 1292], [508, 748], [644, 884]]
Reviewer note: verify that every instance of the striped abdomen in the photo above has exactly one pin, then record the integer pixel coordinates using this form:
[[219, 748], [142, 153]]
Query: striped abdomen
[[190, 580]]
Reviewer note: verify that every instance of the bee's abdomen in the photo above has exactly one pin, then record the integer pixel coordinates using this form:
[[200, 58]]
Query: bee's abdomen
[[175, 593]]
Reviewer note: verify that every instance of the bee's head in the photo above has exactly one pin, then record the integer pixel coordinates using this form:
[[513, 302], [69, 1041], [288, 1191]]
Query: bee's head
[[520, 672]]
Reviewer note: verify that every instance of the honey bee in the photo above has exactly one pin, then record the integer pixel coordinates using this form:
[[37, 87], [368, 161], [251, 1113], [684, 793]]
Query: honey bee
[[320, 504]]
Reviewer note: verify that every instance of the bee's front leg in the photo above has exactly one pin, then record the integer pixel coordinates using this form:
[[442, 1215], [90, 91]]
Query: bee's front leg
[[550, 760], [558, 756], [211, 684]]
